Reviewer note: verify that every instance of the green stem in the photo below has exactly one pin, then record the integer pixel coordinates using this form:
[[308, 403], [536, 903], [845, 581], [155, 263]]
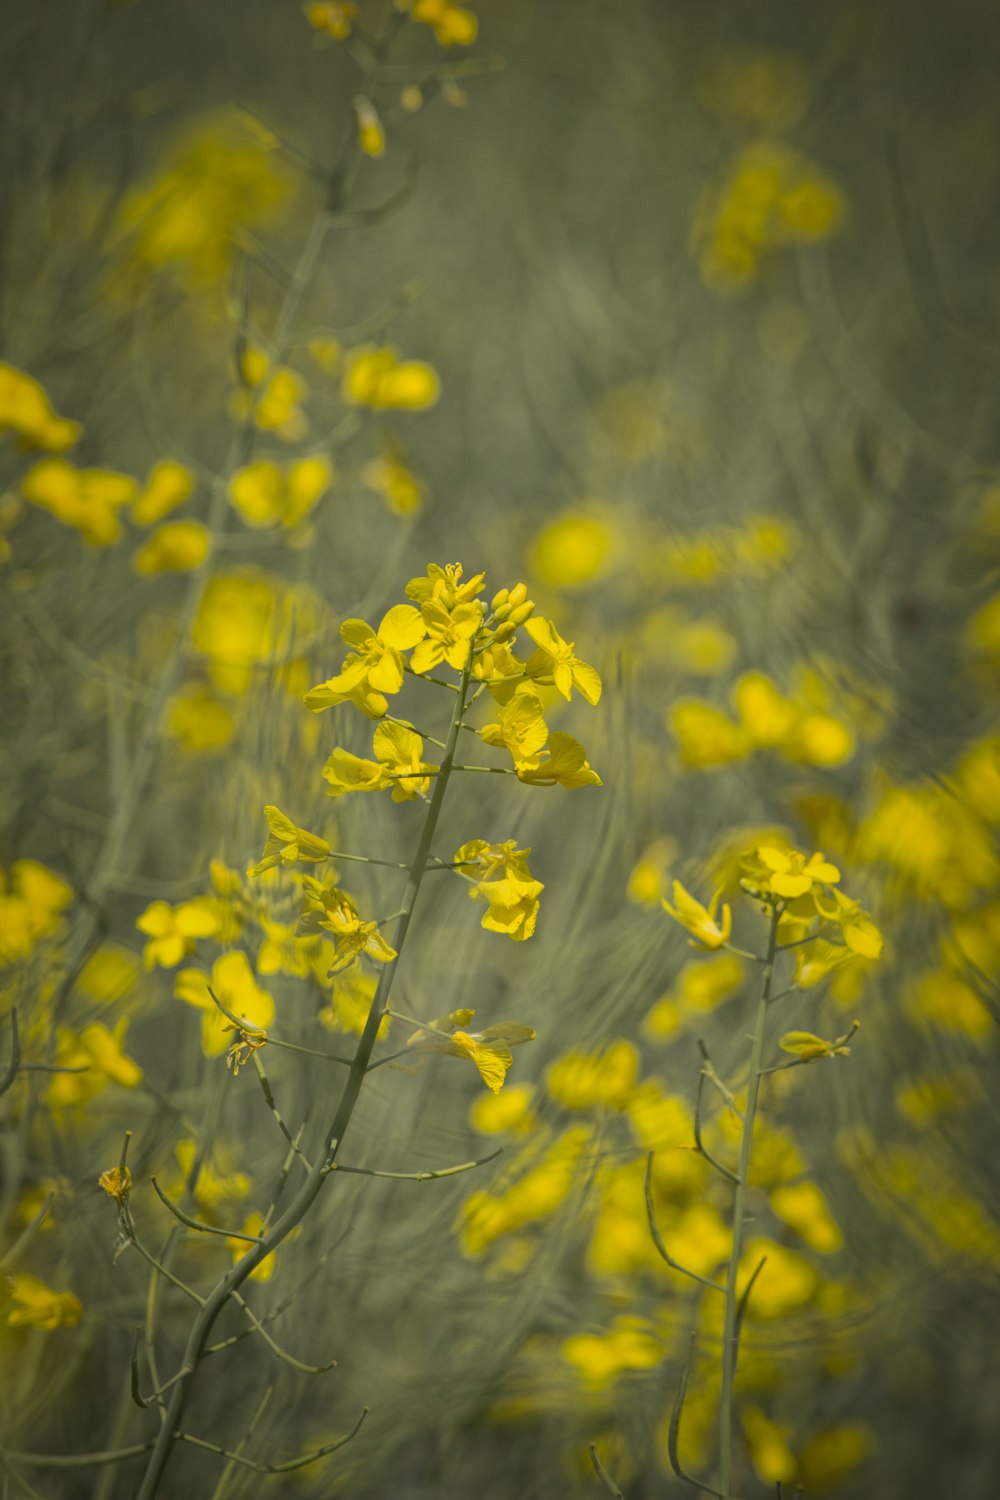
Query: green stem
[[729, 1331], [300, 1205]]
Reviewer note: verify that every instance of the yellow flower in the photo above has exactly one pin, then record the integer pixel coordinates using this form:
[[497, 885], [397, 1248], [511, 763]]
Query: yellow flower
[[444, 586], [506, 884], [520, 728], [371, 133], [234, 983], [489, 1050], [333, 910], [173, 931], [265, 495], [117, 1184], [563, 762], [276, 407], [168, 486], [36, 1306], [198, 720], [380, 379], [219, 179], [399, 766], [97, 1050], [350, 1001], [706, 736], [26, 410], [448, 634], [859, 931], [599, 1359], [572, 550], [699, 920], [554, 662], [589, 1080], [389, 476], [177, 547], [809, 1047], [453, 25], [288, 844], [30, 908], [375, 667], [785, 874], [331, 18], [88, 499]]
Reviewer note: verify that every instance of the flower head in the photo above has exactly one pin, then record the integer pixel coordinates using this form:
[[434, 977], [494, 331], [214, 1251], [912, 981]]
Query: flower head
[[375, 666], [288, 844], [506, 884], [334, 911], [554, 661], [784, 874], [700, 920]]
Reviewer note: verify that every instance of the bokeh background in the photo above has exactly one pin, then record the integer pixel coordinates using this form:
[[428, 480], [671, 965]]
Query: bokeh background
[[688, 317]]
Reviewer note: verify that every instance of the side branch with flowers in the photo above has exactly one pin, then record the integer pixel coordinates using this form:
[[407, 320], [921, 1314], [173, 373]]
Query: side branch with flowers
[[447, 627]]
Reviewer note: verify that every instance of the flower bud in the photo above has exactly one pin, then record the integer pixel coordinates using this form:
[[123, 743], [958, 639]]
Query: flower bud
[[522, 612], [518, 594], [504, 631], [500, 599]]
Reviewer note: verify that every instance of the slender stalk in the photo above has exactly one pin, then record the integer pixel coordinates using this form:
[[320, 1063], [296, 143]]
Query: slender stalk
[[310, 1189], [729, 1331]]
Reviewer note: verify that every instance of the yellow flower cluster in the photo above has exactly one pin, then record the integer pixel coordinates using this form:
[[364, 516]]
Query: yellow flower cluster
[[453, 25], [802, 731], [26, 411], [32, 901]]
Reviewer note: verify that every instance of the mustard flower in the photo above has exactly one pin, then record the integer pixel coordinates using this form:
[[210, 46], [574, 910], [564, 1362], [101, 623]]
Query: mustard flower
[[168, 486], [859, 931], [331, 18], [98, 1051], [375, 667], [36, 1306], [400, 488], [489, 1050], [380, 379], [26, 410], [334, 911], [784, 874], [117, 1184], [445, 586], [266, 495], [288, 844], [30, 907], [808, 1047], [173, 931], [399, 765], [88, 499], [555, 662], [453, 25], [176, 547], [234, 982], [506, 884], [500, 669], [563, 763], [700, 921], [449, 632], [520, 728]]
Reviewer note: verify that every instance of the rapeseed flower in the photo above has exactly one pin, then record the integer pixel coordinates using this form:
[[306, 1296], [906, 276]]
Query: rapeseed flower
[[380, 379], [234, 982], [506, 884], [784, 874], [288, 844], [398, 749], [34, 1305], [562, 762], [449, 633], [554, 661], [376, 665], [699, 920], [520, 728], [173, 931], [88, 499], [266, 495], [168, 485], [25, 409], [334, 911], [176, 547]]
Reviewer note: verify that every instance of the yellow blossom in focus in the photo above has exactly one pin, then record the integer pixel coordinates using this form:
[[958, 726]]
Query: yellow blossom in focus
[[506, 883], [572, 550], [266, 495], [555, 662], [34, 1305], [449, 633], [380, 379], [334, 911], [604, 1079], [785, 874], [173, 931], [26, 410], [87, 499], [444, 586], [233, 981], [168, 486], [520, 728], [176, 547], [218, 180], [375, 666], [288, 844], [198, 720], [700, 920], [398, 749], [563, 762]]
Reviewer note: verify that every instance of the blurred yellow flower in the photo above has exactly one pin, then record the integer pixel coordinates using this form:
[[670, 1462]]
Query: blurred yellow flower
[[25, 409], [198, 720], [233, 981], [453, 25], [389, 476], [380, 379], [700, 920], [34, 1305], [98, 1052], [173, 931], [266, 495], [589, 1080], [572, 550], [331, 18], [371, 133], [599, 1359], [175, 547], [88, 499], [168, 485], [31, 905]]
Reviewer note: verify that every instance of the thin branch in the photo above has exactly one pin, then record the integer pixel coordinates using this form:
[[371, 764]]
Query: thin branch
[[262, 1468], [178, 1213], [269, 1097], [603, 1474], [719, 1166], [26, 1236], [274, 1346], [674, 1429], [15, 1053], [465, 1166], [675, 1265]]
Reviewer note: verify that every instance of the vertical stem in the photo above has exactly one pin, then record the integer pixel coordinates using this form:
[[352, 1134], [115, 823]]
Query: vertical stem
[[313, 1183], [729, 1332]]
